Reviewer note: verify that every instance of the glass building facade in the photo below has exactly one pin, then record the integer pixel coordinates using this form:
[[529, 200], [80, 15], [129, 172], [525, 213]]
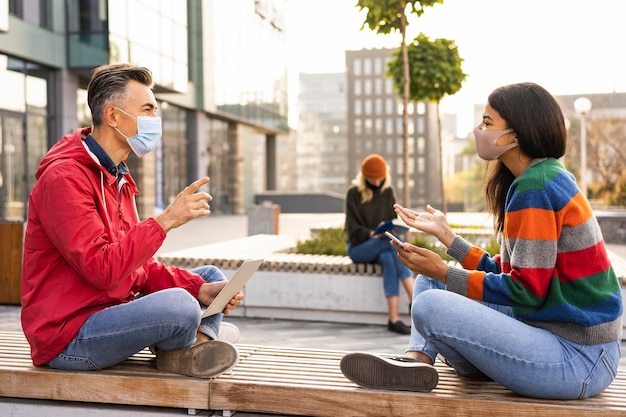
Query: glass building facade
[[220, 72]]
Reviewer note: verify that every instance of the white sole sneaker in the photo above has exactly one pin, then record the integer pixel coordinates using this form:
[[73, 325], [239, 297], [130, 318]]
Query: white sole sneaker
[[205, 360], [228, 333], [389, 373]]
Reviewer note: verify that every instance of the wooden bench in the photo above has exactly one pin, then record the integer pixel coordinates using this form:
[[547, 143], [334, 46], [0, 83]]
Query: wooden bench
[[303, 382]]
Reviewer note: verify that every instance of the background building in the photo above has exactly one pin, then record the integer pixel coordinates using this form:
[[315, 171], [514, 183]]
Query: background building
[[221, 81], [375, 126], [322, 147]]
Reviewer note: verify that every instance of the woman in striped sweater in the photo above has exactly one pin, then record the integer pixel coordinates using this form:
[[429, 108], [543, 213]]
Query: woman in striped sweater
[[548, 321]]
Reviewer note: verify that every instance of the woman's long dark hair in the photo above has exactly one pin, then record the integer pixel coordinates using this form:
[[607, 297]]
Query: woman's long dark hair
[[536, 117]]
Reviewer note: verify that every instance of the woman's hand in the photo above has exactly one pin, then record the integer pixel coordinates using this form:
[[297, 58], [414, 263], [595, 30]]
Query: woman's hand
[[432, 221], [422, 261]]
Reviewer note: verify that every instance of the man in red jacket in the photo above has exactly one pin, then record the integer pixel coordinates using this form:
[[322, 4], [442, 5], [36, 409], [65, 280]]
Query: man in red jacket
[[92, 292]]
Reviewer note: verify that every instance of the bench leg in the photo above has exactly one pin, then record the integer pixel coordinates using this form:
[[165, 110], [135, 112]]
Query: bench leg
[[223, 413], [192, 412]]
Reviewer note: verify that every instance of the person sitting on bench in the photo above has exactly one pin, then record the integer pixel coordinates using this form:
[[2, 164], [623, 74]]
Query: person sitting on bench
[[556, 330], [92, 292]]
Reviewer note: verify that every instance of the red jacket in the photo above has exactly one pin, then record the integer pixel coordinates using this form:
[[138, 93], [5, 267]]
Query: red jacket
[[85, 248]]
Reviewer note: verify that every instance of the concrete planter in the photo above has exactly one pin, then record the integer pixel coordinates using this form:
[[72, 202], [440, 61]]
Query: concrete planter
[[317, 297]]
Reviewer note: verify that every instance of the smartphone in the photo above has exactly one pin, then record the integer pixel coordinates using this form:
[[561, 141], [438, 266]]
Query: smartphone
[[396, 238]]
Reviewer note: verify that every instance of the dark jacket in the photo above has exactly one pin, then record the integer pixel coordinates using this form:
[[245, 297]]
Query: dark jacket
[[361, 218]]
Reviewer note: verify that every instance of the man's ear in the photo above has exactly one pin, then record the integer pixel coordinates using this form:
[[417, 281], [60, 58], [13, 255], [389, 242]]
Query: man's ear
[[109, 115]]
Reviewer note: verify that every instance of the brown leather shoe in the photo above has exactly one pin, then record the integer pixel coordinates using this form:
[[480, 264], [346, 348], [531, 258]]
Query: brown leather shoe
[[205, 360]]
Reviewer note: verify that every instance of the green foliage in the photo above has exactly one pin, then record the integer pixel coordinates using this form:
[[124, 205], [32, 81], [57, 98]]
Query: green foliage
[[493, 248], [330, 241], [385, 16], [434, 69]]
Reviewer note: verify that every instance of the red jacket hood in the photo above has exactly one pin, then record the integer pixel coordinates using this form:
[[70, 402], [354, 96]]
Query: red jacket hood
[[71, 146]]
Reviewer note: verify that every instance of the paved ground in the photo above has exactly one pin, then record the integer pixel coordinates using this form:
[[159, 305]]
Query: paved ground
[[336, 336]]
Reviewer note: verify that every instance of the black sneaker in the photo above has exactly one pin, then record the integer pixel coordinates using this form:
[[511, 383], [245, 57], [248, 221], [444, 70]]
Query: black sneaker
[[398, 327], [369, 370]]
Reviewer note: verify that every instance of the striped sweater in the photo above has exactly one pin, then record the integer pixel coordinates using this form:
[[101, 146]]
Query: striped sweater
[[553, 268]]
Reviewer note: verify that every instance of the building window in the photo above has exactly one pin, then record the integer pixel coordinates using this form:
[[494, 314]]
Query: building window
[[378, 86], [368, 126], [378, 107], [356, 66], [368, 106], [421, 125], [378, 66], [357, 87], [379, 126], [389, 106], [388, 126], [367, 66], [23, 132], [421, 145], [33, 11], [389, 87], [367, 87]]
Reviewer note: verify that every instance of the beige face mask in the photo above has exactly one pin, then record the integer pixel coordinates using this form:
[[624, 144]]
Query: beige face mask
[[486, 145]]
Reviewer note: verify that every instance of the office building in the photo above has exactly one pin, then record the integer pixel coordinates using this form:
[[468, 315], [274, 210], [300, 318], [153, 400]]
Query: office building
[[375, 126], [322, 147], [220, 69]]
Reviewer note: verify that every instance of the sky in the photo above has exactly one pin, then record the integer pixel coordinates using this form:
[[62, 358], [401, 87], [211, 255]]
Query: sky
[[567, 46]]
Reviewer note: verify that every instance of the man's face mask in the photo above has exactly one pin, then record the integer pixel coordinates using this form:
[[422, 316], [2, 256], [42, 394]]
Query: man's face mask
[[149, 132], [486, 146]]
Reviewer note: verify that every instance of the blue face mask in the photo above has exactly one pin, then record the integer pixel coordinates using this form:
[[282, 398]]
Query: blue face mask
[[149, 132]]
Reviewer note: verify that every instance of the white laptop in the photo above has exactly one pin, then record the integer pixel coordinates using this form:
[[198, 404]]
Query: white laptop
[[236, 283]]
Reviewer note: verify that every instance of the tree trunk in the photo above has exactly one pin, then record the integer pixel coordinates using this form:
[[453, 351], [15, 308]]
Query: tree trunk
[[405, 114], [444, 204]]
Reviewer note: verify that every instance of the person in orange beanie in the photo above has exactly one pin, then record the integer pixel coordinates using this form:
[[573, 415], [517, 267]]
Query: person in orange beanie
[[369, 203]]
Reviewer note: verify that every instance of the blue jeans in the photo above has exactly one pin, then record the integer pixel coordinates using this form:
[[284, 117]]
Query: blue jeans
[[168, 319], [380, 251], [530, 361]]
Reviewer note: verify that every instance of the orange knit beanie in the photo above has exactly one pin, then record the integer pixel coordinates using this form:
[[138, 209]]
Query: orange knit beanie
[[374, 167]]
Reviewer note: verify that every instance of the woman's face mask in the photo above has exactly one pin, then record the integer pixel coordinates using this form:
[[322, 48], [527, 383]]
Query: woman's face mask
[[149, 132], [486, 145]]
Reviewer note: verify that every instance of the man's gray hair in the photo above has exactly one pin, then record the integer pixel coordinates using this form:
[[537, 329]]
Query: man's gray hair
[[108, 86]]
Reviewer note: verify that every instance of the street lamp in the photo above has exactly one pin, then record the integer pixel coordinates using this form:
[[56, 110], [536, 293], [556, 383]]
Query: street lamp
[[582, 105]]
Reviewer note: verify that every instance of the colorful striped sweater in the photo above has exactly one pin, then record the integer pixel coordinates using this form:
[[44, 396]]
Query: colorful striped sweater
[[553, 267]]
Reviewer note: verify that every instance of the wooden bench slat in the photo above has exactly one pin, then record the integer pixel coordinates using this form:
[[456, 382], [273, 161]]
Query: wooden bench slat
[[280, 380], [257, 388]]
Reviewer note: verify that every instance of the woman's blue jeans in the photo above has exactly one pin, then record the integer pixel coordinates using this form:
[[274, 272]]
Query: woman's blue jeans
[[380, 251], [168, 319], [530, 361]]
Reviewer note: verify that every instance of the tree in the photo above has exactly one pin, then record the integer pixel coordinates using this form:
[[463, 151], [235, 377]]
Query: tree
[[384, 17], [434, 72]]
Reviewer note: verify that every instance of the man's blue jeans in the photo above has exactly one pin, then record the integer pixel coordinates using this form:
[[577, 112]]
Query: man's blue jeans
[[380, 251], [530, 361], [168, 319]]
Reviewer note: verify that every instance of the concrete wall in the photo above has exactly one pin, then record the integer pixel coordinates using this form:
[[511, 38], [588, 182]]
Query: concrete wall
[[317, 297], [613, 225]]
